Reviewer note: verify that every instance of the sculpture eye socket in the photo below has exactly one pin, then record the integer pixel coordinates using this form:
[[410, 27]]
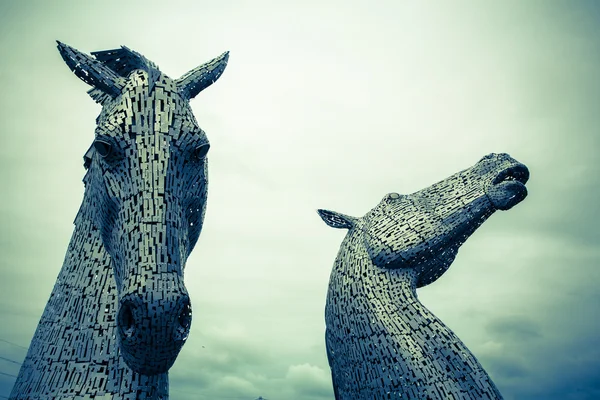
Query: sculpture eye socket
[[103, 148], [201, 151]]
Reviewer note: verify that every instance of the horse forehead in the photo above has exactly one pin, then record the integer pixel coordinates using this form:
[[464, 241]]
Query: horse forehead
[[139, 77], [163, 91], [164, 98]]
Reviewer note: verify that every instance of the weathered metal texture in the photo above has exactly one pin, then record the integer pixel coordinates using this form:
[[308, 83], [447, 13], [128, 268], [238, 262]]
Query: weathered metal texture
[[119, 312], [382, 343]]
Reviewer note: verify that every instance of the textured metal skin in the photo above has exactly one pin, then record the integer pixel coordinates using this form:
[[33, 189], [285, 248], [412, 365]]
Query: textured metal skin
[[382, 343], [119, 312]]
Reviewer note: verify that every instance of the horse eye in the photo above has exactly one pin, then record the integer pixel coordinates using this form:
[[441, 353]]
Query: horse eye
[[103, 148], [201, 151]]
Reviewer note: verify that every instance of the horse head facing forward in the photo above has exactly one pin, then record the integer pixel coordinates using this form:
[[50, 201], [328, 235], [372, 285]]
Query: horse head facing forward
[[146, 187]]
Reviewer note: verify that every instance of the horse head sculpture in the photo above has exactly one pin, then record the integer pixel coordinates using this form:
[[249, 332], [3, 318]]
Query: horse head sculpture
[[147, 185], [381, 341]]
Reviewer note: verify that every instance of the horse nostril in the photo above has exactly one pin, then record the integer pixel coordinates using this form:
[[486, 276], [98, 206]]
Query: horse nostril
[[126, 320], [185, 317], [185, 320]]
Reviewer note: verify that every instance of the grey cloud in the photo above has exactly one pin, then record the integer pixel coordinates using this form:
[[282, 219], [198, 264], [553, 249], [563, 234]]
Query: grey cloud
[[508, 367], [226, 361], [309, 381], [513, 328], [559, 371]]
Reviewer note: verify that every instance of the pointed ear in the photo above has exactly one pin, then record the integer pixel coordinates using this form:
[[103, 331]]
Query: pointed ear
[[198, 79], [91, 71], [337, 220]]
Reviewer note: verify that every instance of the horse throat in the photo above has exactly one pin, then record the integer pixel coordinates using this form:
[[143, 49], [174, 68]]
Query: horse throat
[[395, 336]]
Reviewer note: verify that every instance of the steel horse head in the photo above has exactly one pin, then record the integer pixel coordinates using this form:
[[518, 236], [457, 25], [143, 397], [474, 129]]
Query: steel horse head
[[382, 343], [423, 231], [146, 188]]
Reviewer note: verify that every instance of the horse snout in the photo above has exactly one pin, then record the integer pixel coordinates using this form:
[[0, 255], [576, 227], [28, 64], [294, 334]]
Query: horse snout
[[152, 328]]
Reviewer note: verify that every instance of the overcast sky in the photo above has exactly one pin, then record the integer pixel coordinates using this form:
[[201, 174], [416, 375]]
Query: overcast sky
[[328, 104]]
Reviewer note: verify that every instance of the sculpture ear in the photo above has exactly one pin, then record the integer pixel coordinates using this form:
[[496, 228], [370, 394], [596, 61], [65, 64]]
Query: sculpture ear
[[198, 79], [337, 220], [91, 71]]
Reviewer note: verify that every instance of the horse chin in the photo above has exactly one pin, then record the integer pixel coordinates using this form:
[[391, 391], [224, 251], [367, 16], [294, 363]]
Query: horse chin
[[506, 195], [149, 371], [151, 365]]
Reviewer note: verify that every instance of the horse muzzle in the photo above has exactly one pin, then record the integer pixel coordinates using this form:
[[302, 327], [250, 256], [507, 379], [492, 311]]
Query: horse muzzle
[[152, 328]]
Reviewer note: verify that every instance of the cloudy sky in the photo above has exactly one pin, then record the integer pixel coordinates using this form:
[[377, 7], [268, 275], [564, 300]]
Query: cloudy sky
[[328, 104]]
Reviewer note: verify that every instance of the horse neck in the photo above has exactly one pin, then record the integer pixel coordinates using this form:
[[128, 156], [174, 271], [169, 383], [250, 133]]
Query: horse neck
[[74, 351], [391, 331]]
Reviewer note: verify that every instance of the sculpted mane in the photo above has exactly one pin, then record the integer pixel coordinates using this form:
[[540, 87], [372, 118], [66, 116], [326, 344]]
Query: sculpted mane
[[122, 62]]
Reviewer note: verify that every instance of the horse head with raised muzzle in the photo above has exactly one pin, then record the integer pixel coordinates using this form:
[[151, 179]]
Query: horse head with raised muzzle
[[424, 230], [382, 343]]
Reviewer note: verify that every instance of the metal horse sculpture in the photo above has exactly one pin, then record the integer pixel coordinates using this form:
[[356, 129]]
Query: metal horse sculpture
[[382, 343], [119, 312]]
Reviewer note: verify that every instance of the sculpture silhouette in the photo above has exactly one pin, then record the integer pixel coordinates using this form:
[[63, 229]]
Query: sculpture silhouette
[[382, 343], [119, 312]]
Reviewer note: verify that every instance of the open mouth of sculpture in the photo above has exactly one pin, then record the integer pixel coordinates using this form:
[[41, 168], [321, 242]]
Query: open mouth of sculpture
[[508, 187], [519, 173]]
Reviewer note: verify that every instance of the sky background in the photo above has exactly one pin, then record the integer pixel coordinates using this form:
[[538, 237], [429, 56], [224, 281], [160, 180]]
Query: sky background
[[328, 104]]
